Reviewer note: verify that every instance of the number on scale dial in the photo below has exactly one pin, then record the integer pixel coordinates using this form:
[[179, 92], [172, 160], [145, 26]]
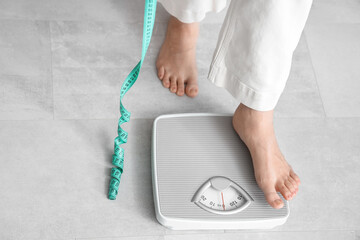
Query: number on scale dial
[[222, 196]]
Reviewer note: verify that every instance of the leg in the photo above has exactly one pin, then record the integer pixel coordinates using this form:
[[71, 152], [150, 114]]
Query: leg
[[176, 63], [273, 174], [252, 61]]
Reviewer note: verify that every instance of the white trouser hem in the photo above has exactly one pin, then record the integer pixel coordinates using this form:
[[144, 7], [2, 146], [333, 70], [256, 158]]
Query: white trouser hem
[[222, 77]]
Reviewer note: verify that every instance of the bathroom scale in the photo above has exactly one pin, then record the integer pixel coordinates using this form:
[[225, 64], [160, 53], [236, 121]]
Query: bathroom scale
[[203, 177]]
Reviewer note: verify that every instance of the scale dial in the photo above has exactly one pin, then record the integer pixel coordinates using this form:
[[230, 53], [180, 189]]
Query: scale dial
[[220, 195]]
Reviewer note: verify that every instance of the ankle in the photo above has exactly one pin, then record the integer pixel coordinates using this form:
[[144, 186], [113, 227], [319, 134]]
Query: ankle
[[251, 124], [184, 34], [188, 28]]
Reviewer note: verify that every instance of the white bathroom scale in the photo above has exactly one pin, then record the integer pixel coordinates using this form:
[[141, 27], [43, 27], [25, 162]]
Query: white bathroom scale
[[203, 176]]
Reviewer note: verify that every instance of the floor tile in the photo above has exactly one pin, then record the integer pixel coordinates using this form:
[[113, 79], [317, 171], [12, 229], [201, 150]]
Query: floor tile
[[88, 74], [24, 48], [99, 44], [79, 10], [25, 73], [335, 54], [334, 11], [64, 172], [301, 96], [56, 186], [325, 154], [25, 97], [126, 238], [170, 232], [147, 98], [90, 62], [270, 235], [95, 44], [87, 10]]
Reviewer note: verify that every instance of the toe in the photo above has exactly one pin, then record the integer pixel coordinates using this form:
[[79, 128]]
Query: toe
[[191, 89], [272, 197], [295, 177], [180, 87], [291, 187], [294, 183], [161, 72], [173, 85], [166, 80], [284, 191]]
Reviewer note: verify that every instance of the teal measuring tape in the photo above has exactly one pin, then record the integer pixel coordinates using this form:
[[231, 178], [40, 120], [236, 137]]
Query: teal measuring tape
[[118, 156]]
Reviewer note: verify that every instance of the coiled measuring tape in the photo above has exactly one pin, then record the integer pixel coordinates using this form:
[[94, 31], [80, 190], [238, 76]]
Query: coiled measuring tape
[[118, 156]]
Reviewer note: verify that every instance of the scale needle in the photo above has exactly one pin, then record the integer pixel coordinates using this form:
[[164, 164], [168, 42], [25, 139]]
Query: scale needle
[[222, 197]]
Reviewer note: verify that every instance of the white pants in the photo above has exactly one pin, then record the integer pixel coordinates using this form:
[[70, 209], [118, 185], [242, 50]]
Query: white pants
[[253, 56]]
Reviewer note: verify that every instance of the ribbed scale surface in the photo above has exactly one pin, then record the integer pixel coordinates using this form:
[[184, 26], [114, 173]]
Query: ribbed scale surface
[[192, 149]]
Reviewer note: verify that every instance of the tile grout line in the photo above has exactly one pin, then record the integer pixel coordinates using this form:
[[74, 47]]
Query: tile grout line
[[124, 236], [51, 69], [153, 118], [313, 68], [225, 231]]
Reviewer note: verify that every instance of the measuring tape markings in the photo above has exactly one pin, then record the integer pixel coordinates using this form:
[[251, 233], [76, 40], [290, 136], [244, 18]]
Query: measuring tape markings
[[118, 156]]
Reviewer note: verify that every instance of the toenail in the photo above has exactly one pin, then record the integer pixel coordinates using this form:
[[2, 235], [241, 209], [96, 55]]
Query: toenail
[[277, 202]]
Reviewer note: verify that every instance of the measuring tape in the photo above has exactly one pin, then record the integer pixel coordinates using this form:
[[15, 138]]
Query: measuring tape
[[118, 156]]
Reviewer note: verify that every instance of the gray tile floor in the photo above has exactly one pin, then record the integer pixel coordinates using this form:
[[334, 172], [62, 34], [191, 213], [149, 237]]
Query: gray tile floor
[[61, 67]]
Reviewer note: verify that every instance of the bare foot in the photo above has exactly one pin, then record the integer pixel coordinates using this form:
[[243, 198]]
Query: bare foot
[[176, 63], [273, 174]]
